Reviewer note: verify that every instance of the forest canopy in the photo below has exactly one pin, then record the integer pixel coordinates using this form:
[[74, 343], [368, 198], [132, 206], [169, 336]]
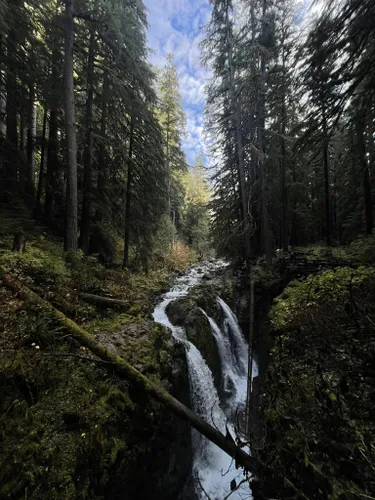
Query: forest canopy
[[91, 136]]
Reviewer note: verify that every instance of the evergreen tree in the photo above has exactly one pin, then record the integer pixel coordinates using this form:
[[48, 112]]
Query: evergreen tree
[[173, 123], [195, 228]]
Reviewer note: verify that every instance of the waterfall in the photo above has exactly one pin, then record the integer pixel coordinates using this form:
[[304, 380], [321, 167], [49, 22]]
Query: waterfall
[[233, 332], [213, 469]]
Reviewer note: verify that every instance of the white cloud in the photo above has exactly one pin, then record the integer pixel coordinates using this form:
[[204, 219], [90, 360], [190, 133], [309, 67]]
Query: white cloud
[[175, 26]]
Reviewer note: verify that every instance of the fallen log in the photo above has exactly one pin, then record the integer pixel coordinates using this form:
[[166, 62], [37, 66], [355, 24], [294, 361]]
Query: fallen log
[[98, 299], [123, 368]]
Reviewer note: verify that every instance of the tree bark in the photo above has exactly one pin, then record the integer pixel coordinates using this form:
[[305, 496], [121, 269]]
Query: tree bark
[[367, 196], [284, 197], [250, 357], [38, 209], [52, 166], [11, 87], [71, 216], [87, 174], [31, 134], [128, 196], [327, 196], [3, 128], [124, 369], [11, 172], [23, 128], [53, 142], [239, 142], [102, 170], [97, 299], [284, 186], [262, 152]]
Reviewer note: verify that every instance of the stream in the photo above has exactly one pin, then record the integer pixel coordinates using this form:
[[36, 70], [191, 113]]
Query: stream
[[213, 470]]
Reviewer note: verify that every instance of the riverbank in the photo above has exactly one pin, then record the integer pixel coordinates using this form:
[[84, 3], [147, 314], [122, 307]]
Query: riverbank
[[316, 401], [70, 427]]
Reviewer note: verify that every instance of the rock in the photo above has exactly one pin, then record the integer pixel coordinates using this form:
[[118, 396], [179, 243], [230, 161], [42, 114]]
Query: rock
[[175, 452], [198, 331]]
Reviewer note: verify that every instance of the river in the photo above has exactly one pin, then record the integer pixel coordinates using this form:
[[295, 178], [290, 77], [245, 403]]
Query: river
[[213, 470]]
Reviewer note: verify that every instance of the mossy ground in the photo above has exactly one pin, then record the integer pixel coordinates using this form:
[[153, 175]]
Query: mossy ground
[[318, 400], [69, 427]]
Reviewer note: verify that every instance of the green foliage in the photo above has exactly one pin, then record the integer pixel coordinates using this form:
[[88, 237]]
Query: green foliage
[[335, 287], [106, 242], [263, 276], [361, 250], [196, 219], [318, 396], [44, 262], [70, 428], [165, 235]]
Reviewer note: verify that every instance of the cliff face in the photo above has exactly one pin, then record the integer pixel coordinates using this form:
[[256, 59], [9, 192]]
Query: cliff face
[[318, 397]]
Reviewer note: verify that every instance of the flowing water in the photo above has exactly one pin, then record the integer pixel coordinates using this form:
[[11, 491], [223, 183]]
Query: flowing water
[[213, 470]]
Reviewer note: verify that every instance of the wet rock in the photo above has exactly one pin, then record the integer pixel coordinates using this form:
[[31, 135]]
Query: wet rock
[[198, 331], [174, 455]]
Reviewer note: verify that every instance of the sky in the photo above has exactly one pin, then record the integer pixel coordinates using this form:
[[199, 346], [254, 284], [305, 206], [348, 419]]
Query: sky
[[175, 26]]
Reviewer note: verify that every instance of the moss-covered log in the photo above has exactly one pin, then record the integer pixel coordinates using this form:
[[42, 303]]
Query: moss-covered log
[[107, 301], [134, 376]]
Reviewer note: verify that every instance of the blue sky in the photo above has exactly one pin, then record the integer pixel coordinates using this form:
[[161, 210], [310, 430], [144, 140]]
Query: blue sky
[[175, 26]]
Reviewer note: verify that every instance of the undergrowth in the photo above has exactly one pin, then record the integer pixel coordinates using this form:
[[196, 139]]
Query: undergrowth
[[70, 428], [319, 395]]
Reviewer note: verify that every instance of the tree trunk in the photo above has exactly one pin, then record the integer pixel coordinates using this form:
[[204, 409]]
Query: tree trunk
[[294, 236], [23, 128], [250, 357], [169, 173], [3, 128], [87, 175], [31, 134], [52, 166], [239, 143], [11, 87], [367, 197], [53, 142], [11, 172], [107, 301], [71, 225], [38, 209], [128, 197], [327, 197], [262, 153], [102, 170], [284, 187], [124, 369]]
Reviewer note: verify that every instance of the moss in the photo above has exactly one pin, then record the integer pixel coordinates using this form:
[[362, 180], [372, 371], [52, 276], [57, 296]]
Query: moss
[[113, 322], [43, 262], [318, 398], [198, 331], [70, 428], [263, 276], [335, 287], [70, 425], [361, 251], [187, 312]]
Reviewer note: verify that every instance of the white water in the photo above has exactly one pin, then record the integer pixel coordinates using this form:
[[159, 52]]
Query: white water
[[213, 468]]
